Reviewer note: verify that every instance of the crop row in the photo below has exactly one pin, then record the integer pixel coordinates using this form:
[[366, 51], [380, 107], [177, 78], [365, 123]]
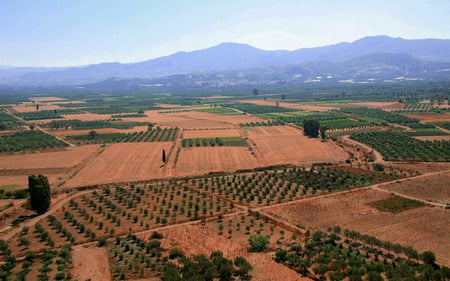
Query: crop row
[[28, 141], [396, 146], [85, 125], [118, 210], [8, 122], [47, 114], [259, 124], [277, 186], [224, 141], [157, 135], [378, 114]]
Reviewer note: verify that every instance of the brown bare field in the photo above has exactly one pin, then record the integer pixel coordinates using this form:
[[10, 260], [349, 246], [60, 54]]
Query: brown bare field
[[201, 160], [123, 162], [69, 157], [90, 263], [189, 134], [183, 120], [31, 107], [432, 138], [298, 106], [433, 188], [44, 99], [64, 133], [87, 116], [285, 144], [22, 180], [422, 228], [424, 167], [226, 119], [436, 117]]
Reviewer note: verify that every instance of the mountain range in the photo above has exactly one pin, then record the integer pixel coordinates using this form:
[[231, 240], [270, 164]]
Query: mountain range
[[373, 57]]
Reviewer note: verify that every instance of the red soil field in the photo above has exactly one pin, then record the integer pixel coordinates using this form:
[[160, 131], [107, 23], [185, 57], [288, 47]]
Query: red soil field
[[123, 162], [298, 106], [69, 157], [430, 117], [188, 134], [201, 160], [422, 228], [22, 180], [63, 133], [432, 138], [90, 263], [434, 188], [87, 116], [285, 144]]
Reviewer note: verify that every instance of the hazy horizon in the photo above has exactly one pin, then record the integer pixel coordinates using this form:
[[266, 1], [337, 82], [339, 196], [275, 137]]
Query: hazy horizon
[[53, 33]]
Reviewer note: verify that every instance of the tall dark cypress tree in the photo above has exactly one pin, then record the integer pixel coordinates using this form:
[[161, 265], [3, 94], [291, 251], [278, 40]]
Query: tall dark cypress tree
[[164, 156], [39, 190]]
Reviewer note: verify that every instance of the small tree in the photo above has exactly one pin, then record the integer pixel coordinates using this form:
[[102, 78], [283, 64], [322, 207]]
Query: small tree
[[150, 126], [311, 128], [255, 92], [428, 257], [92, 134], [258, 243], [39, 190]]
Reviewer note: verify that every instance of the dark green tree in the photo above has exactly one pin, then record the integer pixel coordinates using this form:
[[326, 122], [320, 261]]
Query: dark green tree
[[428, 257], [39, 190], [255, 92], [150, 126], [311, 128], [92, 134], [323, 134]]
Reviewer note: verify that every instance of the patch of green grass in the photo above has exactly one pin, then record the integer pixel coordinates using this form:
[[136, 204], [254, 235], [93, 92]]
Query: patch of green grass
[[233, 141], [9, 187], [395, 204], [219, 110]]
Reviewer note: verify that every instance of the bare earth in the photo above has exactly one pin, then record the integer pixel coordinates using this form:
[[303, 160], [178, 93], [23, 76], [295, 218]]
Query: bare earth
[[422, 228], [71, 156], [430, 117], [188, 134], [90, 263], [22, 180], [298, 106], [432, 138], [123, 162], [434, 188], [201, 160], [285, 144], [63, 133]]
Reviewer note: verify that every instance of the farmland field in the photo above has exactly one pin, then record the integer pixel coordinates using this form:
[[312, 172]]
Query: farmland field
[[420, 228], [284, 144], [150, 185], [201, 160], [433, 188], [121, 162]]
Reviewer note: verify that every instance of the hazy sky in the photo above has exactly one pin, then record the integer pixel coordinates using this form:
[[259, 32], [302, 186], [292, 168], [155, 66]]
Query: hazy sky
[[79, 32]]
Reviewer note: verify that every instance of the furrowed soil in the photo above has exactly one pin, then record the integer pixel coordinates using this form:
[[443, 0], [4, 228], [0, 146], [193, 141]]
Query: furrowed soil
[[298, 106], [434, 188], [201, 160], [423, 228], [190, 134], [123, 162], [90, 263], [285, 144], [31, 107], [68, 157]]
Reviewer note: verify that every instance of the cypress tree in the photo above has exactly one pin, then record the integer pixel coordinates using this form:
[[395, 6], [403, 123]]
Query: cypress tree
[[164, 156], [39, 190]]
